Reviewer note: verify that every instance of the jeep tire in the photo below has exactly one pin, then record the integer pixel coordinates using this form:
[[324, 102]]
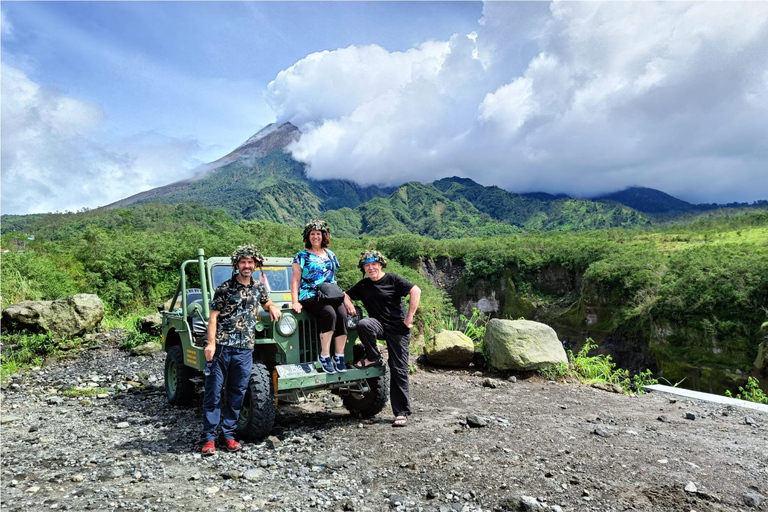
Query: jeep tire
[[179, 389], [257, 416], [367, 405]]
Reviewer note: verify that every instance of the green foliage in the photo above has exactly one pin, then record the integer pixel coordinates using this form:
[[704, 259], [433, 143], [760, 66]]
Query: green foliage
[[706, 281], [751, 391], [35, 275], [130, 325], [543, 215], [83, 392], [598, 368], [554, 371], [20, 350], [473, 327]]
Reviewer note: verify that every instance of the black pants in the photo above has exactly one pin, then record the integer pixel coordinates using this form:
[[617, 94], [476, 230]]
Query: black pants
[[369, 330], [329, 318]]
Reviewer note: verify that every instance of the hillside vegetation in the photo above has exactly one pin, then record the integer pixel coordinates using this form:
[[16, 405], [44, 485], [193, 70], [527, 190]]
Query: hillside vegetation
[[686, 300]]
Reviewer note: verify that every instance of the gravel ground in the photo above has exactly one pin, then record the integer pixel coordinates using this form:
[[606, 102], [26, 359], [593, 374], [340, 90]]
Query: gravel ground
[[476, 442]]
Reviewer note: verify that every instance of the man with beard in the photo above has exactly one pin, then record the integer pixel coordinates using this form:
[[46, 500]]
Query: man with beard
[[229, 352]]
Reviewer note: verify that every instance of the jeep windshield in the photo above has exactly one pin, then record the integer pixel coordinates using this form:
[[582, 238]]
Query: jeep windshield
[[276, 279]]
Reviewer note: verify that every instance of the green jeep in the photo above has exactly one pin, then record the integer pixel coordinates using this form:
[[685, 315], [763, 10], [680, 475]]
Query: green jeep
[[285, 356]]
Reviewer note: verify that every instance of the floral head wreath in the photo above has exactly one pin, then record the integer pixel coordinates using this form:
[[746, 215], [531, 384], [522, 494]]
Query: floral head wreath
[[370, 257], [247, 251], [316, 225]]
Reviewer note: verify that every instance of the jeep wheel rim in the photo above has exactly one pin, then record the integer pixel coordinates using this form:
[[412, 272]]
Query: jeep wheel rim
[[172, 378]]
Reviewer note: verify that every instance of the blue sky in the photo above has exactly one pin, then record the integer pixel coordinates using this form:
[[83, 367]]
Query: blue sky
[[101, 100]]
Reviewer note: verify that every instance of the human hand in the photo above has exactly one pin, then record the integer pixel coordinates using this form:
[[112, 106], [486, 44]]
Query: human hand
[[274, 313], [210, 351], [296, 306]]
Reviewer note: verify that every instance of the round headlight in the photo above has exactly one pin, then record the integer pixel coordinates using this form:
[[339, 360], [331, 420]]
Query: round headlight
[[287, 324]]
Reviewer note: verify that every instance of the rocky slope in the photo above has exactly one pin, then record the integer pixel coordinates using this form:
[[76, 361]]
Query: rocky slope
[[476, 442]]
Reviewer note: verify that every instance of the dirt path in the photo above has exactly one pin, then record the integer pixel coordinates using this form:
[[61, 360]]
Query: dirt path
[[525, 445]]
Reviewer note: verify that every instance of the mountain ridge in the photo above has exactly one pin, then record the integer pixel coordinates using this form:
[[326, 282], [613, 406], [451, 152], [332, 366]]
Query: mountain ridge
[[260, 180]]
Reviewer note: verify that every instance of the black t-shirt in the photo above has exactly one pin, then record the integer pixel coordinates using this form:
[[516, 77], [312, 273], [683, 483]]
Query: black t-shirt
[[383, 299]]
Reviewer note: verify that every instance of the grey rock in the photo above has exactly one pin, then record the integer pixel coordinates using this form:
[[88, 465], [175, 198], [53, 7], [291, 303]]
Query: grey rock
[[331, 460], [147, 349], [254, 474], [71, 316], [490, 383], [475, 421], [9, 418], [601, 431], [150, 324], [608, 386], [112, 474], [450, 348], [690, 487], [522, 503], [123, 424], [690, 415], [753, 499], [522, 345], [749, 420]]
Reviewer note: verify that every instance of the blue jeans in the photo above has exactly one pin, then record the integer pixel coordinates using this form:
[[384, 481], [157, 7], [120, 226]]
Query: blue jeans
[[231, 366]]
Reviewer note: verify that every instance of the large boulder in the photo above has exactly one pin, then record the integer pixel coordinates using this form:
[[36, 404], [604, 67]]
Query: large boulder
[[70, 316], [522, 345], [151, 324], [450, 348]]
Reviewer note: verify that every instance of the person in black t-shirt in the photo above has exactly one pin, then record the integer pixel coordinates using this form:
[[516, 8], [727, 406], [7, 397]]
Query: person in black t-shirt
[[382, 294]]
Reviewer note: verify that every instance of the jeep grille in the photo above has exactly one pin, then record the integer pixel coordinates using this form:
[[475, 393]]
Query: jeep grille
[[309, 341]]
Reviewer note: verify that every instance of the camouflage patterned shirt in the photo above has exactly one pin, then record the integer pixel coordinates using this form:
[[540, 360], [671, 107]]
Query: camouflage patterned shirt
[[238, 307]]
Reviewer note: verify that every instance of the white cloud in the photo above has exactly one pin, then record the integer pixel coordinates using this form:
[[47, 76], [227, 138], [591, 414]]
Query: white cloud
[[52, 161], [586, 98], [6, 27]]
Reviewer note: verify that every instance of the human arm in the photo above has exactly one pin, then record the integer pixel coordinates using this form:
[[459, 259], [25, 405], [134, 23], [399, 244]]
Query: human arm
[[413, 305], [274, 311], [210, 348], [351, 311], [295, 280]]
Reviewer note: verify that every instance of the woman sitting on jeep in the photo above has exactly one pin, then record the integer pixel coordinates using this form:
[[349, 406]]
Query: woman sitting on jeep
[[312, 267]]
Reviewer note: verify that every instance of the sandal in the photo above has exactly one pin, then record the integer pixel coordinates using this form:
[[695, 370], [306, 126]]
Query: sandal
[[400, 421], [360, 365]]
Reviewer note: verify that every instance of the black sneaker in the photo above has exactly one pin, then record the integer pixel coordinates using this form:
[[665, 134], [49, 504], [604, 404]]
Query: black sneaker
[[339, 363], [327, 364]]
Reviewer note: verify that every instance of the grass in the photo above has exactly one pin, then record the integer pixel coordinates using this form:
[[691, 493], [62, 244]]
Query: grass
[[473, 327], [130, 324], [21, 350], [84, 392], [598, 368]]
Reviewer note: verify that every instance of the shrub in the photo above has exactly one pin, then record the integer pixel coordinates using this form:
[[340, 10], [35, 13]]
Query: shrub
[[751, 392], [598, 368]]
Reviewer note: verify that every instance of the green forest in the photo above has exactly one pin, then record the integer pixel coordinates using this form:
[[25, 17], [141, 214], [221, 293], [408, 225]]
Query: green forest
[[684, 299]]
